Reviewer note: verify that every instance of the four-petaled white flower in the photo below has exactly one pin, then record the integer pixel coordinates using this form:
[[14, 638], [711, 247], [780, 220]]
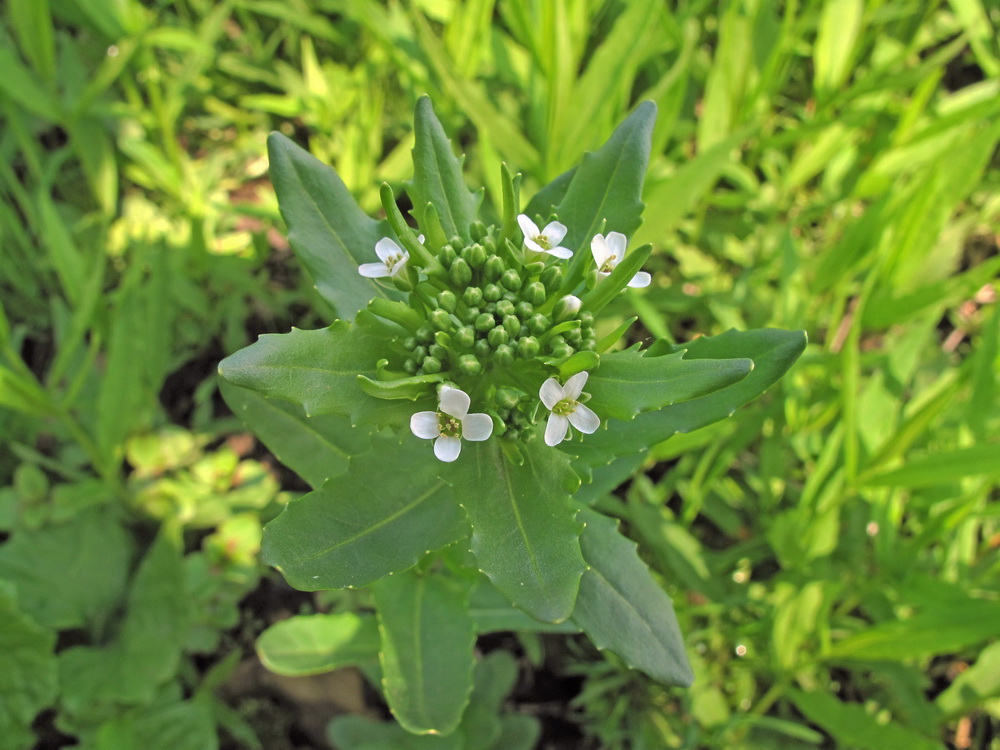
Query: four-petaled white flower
[[608, 253], [393, 258], [450, 423], [566, 410], [545, 241]]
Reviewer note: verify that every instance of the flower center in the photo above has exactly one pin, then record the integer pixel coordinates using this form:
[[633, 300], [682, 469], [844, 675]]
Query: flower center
[[565, 407], [609, 264], [450, 426], [542, 241], [392, 260]]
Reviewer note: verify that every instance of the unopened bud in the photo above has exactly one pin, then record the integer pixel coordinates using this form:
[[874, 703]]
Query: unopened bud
[[552, 277], [472, 296], [528, 347], [460, 273], [512, 325], [485, 322], [566, 308], [563, 352], [538, 324], [497, 336], [437, 351], [490, 244], [504, 356], [534, 269], [511, 280], [425, 334], [469, 365], [410, 366], [555, 342], [440, 320], [420, 352], [491, 292], [446, 256], [505, 307], [431, 365], [524, 310], [470, 315], [410, 343], [477, 230], [482, 349], [465, 337], [474, 255], [447, 300], [494, 268], [587, 318], [508, 398], [535, 293]]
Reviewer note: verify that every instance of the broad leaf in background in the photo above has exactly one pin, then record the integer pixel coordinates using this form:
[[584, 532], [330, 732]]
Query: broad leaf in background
[[524, 533], [27, 672], [378, 518], [315, 448], [621, 607], [313, 644], [437, 176], [426, 657], [630, 382], [327, 229], [493, 612], [607, 185]]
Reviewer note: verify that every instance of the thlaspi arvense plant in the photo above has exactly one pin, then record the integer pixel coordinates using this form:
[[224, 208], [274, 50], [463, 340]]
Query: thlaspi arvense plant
[[462, 413]]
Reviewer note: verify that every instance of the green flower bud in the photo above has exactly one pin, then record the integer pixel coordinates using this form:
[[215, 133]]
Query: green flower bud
[[534, 269], [511, 280], [447, 300], [512, 297], [505, 307], [538, 324], [470, 315], [442, 339], [524, 310], [437, 351], [465, 337], [587, 318], [482, 349], [563, 351], [485, 322], [474, 255], [497, 336], [420, 352], [447, 256], [440, 320], [512, 325], [504, 355], [490, 307], [410, 343], [460, 273], [587, 345], [566, 308], [491, 292], [573, 336], [477, 230], [472, 296], [425, 334], [552, 277], [528, 347], [494, 268], [508, 398], [410, 366], [490, 244], [431, 365], [555, 342], [456, 243], [469, 365], [535, 293]]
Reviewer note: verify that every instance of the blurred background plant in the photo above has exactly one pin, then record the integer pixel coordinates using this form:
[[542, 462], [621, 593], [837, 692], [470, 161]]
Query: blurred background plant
[[828, 164]]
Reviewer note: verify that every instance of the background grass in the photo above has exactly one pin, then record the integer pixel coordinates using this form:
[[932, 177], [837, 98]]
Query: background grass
[[832, 166]]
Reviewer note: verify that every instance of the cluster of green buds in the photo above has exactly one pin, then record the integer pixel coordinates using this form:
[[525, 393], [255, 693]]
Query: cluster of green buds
[[493, 321]]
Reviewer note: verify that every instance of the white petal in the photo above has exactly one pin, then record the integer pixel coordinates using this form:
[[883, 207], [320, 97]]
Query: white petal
[[477, 427], [373, 270], [420, 239], [528, 227], [454, 401], [584, 419], [424, 424], [600, 250], [574, 386], [555, 429], [640, 280], [561, 252], [385, 248], [447, 448], [532, 245], [616, 243], [400, 264], [551, 393], [554, 231]]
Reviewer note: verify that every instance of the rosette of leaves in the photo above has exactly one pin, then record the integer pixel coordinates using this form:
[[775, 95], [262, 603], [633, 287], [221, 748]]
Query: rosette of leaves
[[482, 309]]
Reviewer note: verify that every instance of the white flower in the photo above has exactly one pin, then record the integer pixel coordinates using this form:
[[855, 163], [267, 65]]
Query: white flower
[[452, 422], [546, 240], [393, 258], [608, 253], [561, 400]]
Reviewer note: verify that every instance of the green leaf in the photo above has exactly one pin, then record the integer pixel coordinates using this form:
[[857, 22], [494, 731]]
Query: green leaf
[[362, 733], [315, 448], [378, 518], [492, 612], [313, 644], [543, 203], [70, 575], [630, 382], [622, 608], [317, 369], [328, 231], [427, 640], [945, 467], [493, 679], [518, 732], [437, 176], [27, 671], [836, 40], [524, 534], [852, 726], [177, 725], [773, 351], [973, 686], [607, 185]]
